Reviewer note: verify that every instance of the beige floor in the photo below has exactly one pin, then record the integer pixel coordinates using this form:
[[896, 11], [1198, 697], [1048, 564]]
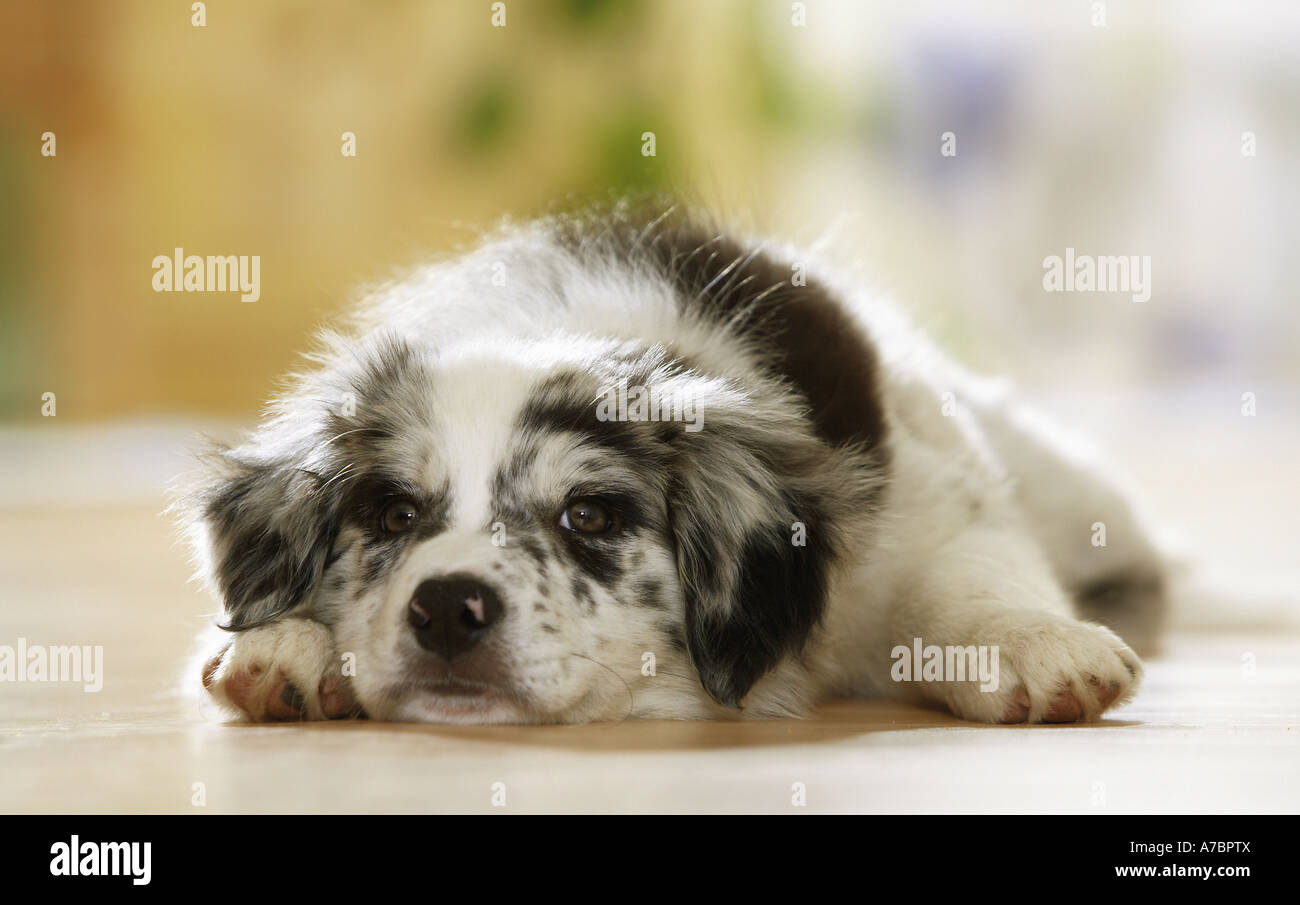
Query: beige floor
[[1204, 735]]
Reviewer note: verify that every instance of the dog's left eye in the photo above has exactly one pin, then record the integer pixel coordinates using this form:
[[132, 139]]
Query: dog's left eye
[[586, 517], [399, 516]]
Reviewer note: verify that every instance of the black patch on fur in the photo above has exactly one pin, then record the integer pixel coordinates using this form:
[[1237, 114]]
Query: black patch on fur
[[536, 550], [807, 336], [779, 598], [598, 557], [530, 546], [374, 567], [273, 528], [261, 565], [566, 402], [649, 593], [582, 592], [676, 637]]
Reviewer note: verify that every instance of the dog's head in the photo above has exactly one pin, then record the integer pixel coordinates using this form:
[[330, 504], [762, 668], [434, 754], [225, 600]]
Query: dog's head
[[528, 530]]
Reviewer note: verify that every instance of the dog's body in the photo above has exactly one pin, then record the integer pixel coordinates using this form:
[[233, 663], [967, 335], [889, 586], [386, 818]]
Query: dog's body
[[442, 523]]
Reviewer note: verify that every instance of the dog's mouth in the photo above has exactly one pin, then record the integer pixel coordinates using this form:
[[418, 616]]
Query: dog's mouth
[[455, 699], [453, 687]]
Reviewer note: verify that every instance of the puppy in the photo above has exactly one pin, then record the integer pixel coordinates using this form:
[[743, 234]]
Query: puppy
[[620, 463]]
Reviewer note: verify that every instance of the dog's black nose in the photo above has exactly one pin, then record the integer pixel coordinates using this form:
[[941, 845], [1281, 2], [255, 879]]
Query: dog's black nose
[[450, 615]]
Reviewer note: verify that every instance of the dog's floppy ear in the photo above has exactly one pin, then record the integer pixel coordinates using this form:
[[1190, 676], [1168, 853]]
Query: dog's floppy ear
[[263, 530], [754, 529], [263, 518]]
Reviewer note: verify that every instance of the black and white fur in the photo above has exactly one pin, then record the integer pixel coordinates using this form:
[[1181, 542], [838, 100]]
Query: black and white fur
[[473, 397]]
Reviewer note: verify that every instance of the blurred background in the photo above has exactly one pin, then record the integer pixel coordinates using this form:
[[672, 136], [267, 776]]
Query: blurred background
[[1167, 130]]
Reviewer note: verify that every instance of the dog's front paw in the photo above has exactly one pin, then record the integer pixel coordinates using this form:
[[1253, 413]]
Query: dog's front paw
[[286, 670], [1053, 669]]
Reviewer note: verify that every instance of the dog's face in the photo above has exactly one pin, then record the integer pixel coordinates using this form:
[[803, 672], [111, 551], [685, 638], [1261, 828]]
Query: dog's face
[[488, 545], [505, 545]]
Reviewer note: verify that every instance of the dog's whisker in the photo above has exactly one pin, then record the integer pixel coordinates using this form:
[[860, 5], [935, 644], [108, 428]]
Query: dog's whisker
[[631, 699], [356, 430]]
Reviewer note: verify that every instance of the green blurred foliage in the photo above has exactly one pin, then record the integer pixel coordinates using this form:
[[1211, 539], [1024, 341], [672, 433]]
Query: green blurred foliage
[[487, 114], [587, 15], [617, 163]]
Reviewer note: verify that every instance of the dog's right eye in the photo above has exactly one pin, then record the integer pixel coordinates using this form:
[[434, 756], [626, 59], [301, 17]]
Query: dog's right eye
[[399, 516]]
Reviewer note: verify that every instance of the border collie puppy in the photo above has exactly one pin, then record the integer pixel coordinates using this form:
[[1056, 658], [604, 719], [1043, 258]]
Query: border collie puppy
[[620, 463]]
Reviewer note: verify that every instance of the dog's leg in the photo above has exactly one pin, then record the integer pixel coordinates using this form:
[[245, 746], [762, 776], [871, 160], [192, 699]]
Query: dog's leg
[[286, 670], [1067, 491], [991, 587]]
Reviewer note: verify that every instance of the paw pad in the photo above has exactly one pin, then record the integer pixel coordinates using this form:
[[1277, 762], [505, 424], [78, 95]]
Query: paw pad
[[1064, 708], [285, 702]]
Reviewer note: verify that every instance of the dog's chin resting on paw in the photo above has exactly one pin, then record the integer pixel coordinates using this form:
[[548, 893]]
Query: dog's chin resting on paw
[[623, 463]]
